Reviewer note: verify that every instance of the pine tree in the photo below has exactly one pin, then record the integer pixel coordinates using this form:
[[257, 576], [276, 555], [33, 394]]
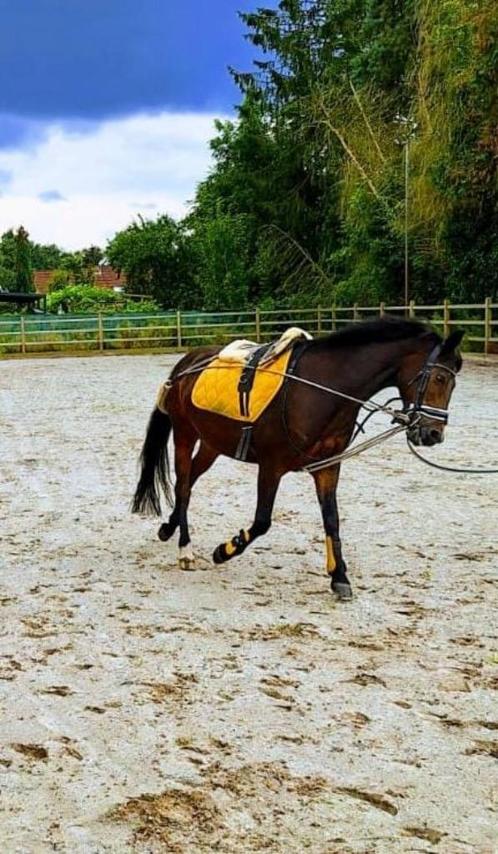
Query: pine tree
[[23, 272]]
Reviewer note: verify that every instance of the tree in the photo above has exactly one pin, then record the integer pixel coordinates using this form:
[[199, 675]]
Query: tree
[[314, 157], [222, 248], [259, 179], [46, 257], [7, 279], [152, 254], [23, 272], [92, 256], [328, 100], [8, 258], [455, 157]]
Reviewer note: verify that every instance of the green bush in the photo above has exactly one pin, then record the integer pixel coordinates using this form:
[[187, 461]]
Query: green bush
[[88, 299]]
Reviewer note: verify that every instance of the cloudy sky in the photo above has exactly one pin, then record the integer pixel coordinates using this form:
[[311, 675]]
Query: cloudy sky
[[107, 107]]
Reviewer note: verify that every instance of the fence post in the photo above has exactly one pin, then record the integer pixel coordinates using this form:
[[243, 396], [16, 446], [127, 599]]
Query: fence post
[[258, 324], [319, 320], [355, 312], [100, 332], [446, 318], [23, 335], [411, 309], [334, 319], [382, 309], [179, 329], [487, 324]]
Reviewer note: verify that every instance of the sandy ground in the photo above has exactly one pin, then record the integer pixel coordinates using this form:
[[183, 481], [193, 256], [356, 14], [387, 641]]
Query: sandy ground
[[242, 709]]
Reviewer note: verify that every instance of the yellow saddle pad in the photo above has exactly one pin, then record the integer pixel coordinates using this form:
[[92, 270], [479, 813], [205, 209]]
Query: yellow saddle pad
[[216, 387]]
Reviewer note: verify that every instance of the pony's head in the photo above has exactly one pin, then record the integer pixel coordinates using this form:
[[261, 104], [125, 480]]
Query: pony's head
[[426, 381]]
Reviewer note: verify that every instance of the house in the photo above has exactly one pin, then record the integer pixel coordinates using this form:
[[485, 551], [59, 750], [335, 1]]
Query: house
[[104, 276], [108, 277], [41, 280]]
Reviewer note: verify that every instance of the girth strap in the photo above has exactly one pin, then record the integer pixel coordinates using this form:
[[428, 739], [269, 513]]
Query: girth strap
[[247, 376], [244, 388], [244, 445]]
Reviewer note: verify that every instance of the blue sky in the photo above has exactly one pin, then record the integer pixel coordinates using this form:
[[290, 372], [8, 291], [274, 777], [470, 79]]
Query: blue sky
[[106, 108]]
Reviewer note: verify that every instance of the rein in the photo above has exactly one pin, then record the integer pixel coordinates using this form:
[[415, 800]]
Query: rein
[[447, 468], [354, 451]]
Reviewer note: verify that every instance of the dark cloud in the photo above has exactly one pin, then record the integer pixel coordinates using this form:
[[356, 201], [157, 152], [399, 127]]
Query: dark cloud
[[95, 58]]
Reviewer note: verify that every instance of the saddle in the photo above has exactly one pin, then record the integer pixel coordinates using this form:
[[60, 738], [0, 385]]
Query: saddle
[[243, 379], [241, 351]]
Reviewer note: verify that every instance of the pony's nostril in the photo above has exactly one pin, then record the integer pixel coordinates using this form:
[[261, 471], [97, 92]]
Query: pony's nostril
[[435, 435]]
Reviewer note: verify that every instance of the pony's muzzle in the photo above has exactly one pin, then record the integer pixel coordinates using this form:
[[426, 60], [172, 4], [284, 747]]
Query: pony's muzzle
[[432, 435], [426, 434]]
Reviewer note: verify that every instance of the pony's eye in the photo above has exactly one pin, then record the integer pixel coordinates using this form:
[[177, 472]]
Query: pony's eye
[[440, 378]]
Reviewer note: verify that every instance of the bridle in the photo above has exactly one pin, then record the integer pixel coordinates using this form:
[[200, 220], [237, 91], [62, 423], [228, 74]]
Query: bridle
[[419, 407]]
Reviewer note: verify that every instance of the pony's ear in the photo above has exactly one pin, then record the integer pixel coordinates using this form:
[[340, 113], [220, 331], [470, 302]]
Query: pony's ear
[[452, 342]]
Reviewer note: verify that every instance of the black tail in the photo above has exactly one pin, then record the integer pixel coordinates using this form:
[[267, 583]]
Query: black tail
[[155, 467]]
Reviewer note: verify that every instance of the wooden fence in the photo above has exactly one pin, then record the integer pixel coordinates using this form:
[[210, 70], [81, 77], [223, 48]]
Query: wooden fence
[[33, 334]]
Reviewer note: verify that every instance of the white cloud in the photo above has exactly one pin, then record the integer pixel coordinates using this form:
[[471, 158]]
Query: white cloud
[[105, 175]]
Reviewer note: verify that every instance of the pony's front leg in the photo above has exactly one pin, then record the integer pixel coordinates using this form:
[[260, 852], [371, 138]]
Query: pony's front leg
[[268, 481], [326, 485]]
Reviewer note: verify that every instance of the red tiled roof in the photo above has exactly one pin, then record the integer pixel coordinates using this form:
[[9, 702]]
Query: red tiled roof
[[107, 277], [42, 279], [103, 277]]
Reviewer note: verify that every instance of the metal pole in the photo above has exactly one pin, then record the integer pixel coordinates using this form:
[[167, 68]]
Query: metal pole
[[407, 167], [407, 130]]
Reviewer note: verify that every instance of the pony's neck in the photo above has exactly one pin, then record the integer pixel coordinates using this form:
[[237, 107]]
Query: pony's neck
[[387, 363], [360, 371]]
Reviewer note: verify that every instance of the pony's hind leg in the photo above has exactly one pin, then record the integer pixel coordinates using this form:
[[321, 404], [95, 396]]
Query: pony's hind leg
[[268, 481], [184, 444], [202, 461], [326, 485], [168, 528]]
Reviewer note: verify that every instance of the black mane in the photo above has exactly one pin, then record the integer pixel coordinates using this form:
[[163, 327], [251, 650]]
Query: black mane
[[374, 332]]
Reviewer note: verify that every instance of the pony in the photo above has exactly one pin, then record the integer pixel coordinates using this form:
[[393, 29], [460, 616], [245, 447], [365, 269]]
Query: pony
[[302, 425]]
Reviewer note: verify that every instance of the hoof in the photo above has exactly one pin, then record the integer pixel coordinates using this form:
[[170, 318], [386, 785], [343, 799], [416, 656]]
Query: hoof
[[187, 564], [164, 533], [186, 559], [226, 551], [219, 555], [342, 591]]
